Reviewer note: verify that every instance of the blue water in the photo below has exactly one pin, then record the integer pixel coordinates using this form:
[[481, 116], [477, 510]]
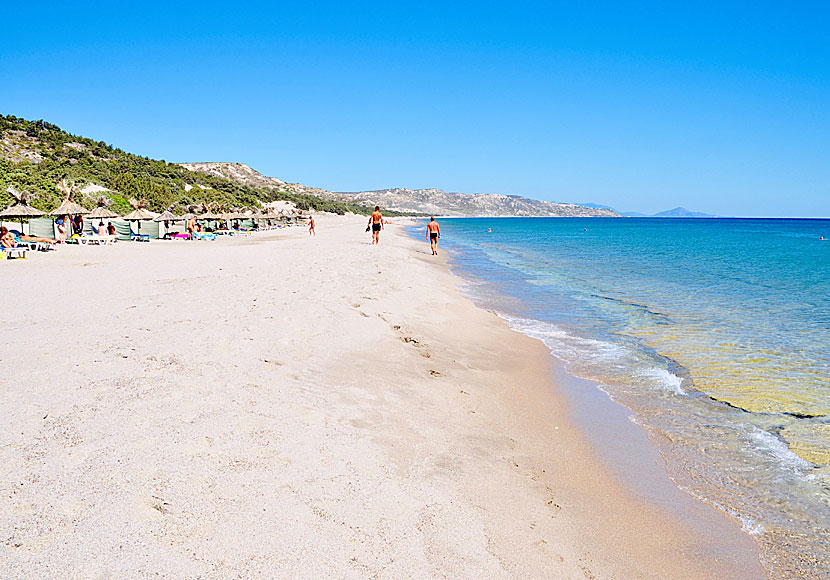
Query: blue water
[[714, 332]]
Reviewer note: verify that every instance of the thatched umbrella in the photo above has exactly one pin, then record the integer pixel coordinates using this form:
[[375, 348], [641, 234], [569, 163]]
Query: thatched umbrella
[[102, 211], [139, 213], [21, 208], [167, 216], [68, 207], [269, 214]]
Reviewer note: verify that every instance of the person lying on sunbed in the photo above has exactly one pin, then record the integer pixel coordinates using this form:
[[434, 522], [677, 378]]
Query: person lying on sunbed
[[24, 238]]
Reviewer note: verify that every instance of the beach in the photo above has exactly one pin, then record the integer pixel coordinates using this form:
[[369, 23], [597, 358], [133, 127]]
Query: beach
[[279, 406]]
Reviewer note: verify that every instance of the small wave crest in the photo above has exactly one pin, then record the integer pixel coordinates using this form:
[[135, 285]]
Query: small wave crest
[[589, 357], [768, 444]]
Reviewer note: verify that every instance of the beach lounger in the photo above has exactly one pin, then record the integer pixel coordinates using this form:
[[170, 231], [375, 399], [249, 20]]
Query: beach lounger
[[17, 252], [94, 239], [199, 236], [139, 237], [34, 246]]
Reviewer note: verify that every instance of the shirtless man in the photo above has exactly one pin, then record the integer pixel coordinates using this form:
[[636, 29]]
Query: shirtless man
[[311, 231], [191, 227], [433, 233], [376, 221]]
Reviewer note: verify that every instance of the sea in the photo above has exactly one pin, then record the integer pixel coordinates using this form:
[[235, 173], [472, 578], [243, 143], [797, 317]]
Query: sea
[[714, 334]]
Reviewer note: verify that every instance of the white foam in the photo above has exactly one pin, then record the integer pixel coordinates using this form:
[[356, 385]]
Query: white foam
[[563, 345], [769, 444], [664, 378]]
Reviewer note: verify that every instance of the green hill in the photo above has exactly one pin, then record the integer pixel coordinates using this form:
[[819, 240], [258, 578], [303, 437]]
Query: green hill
[[34, 155]]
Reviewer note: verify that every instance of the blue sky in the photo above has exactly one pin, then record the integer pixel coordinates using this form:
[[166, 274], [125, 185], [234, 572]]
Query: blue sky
[[641, 106]]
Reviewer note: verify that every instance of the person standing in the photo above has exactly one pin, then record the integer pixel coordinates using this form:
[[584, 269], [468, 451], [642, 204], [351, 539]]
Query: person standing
[[61, 225], [311, 231], [433, 234], [376, 221]]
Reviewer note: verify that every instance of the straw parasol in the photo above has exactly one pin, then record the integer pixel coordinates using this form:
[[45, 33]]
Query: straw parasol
[[102, 211], [139, 213], [167, 216], [21, 208], [68, 207]]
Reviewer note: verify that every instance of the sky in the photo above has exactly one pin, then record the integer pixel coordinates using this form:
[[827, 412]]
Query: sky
[[718, 107]]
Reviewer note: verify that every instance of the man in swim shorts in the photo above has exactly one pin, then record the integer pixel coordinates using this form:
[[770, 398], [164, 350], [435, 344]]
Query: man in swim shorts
[[433, 233], [376, 221]]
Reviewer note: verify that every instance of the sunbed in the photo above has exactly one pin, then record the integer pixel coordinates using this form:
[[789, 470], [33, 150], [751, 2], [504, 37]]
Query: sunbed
[[201, 236], [95, 239], [33, 246], [16, 252]]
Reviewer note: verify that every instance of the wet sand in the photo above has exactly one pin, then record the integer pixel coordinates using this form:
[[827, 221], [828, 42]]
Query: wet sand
[[285, 407]]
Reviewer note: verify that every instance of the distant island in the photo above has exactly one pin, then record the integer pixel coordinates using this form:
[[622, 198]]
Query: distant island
[[678, 212]]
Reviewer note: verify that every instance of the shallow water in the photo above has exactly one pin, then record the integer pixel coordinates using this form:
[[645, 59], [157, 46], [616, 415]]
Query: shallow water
[[715, 334]]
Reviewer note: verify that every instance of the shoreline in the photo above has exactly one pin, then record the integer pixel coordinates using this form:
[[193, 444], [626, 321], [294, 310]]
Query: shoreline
[[638, 478], [348, 399]]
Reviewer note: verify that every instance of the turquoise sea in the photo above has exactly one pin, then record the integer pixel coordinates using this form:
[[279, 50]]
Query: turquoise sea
[[714, 333]]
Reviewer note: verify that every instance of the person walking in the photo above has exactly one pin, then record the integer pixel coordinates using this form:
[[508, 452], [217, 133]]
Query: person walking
[[376, 221], [433, 234], [311, 231]]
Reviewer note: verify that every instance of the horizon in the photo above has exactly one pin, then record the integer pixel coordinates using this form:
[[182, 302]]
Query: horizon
[[721, 110]]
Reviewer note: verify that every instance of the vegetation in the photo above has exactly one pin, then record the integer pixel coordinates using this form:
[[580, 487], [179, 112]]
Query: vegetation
[[36, 154]]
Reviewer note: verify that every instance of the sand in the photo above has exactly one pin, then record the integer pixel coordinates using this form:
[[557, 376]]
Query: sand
[[285, 407]]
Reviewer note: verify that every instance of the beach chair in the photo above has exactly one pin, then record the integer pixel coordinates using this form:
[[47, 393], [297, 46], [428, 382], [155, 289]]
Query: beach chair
[[16, 252], [33, 246], [139, 237], [202, 236]]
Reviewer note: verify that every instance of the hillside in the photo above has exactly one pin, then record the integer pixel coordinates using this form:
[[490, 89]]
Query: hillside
[[34, 155], [438, 202], [419, 201]]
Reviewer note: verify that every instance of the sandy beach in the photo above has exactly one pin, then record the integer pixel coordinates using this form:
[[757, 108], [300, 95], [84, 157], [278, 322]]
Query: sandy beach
[[279, 406]]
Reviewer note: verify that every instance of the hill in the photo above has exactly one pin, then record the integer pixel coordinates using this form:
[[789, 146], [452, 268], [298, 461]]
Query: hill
[[412, 201], [438, 202], [34, 155]]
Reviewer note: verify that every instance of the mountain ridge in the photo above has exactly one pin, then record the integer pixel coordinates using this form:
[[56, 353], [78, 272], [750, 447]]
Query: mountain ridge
[[420, 201]]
